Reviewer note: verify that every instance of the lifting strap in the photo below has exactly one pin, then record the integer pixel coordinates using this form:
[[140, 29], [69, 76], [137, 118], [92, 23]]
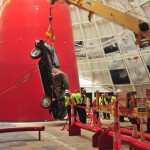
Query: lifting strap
[[50, 33]]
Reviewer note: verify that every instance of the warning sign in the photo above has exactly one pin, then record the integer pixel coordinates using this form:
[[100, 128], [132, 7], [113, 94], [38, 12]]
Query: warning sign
[[142, 109]]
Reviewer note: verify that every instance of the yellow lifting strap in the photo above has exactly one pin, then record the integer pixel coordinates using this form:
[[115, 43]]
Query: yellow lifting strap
[[50, 34]]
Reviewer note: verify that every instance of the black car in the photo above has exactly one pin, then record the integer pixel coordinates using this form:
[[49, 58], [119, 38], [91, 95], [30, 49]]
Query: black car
[[54, 81]]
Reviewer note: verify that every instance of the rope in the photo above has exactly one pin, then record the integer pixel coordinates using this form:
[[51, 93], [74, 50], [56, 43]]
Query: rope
[[128, 111], [22, 81], [65, 124]]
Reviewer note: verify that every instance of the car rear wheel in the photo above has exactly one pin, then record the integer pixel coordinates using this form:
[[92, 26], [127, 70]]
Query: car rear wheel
[[36, 53], [45, 102]]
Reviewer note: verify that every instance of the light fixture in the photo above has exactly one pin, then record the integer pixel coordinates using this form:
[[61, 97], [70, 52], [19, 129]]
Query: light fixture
[[139, 74]]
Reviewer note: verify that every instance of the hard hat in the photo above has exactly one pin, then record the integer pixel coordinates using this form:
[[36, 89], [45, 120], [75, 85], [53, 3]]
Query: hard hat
[[115, 93], [67, 91], [77, 90], [118, 91], [84, 90]]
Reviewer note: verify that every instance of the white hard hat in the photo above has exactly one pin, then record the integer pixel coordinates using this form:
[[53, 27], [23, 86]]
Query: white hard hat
[[118, 90], [67, 91]]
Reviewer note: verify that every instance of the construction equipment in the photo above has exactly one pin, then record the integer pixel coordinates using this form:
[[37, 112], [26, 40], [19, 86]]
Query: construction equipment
[[136, 25]]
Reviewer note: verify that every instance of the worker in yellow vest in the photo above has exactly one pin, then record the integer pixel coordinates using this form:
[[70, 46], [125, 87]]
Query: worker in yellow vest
[[104, 100], [68, 101], [82, 111], [113, 98], [76, 96]]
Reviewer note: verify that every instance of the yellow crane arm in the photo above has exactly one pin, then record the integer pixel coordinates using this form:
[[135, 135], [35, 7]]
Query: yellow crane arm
[[122, 19], [138, 26]]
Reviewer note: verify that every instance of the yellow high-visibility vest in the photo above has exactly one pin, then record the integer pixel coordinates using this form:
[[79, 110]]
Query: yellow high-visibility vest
[[103, 101], [68, 101], [83, 99], [113, 98], [76, 97]]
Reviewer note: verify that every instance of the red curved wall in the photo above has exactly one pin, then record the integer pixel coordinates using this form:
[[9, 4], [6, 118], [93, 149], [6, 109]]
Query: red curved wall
[[21, 23]]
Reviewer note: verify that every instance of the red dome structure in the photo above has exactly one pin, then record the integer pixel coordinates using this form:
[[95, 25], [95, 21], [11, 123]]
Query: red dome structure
[[21, 23]]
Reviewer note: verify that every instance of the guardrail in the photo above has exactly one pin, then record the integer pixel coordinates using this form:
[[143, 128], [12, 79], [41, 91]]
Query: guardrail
[[17, 129], [108, 138]]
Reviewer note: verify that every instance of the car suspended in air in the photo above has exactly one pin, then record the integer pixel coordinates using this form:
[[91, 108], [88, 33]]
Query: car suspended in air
[[54, 81]]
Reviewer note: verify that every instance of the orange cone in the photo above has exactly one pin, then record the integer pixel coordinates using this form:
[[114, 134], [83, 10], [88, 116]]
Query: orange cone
[[99, 123], [93, 121], [142, 133], [134, 135], [134, 132]]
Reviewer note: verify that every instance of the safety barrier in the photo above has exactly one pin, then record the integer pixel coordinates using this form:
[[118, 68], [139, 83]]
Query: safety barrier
[[75, 129], [139, 145], [129, 133], [103, 138], [17, 129], [109, 138]]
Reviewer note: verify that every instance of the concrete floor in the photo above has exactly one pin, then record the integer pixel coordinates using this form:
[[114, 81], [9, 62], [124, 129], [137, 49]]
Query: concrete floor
[[53, 138]]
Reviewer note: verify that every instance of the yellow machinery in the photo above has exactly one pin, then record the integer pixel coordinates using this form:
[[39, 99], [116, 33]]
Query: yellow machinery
[[138, 26]]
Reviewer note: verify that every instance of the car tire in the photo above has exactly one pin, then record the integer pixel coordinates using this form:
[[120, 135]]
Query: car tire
[[36, 53], [45, 102]]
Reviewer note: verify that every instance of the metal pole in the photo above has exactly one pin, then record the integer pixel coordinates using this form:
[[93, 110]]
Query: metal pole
[[117, 140], [72, 114]]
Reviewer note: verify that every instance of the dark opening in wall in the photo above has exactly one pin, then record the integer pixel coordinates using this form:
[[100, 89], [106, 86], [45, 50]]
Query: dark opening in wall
[[120, 76], [78, 43], [111, 48]]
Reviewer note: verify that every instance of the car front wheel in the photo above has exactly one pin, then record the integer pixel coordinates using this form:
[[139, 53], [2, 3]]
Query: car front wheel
[[36, 53]]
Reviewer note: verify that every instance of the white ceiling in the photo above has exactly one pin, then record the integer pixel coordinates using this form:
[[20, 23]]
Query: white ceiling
[[106, 53]]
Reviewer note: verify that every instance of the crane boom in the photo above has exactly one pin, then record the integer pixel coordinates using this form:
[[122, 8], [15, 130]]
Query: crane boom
[[136, 25], [125, 20]]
